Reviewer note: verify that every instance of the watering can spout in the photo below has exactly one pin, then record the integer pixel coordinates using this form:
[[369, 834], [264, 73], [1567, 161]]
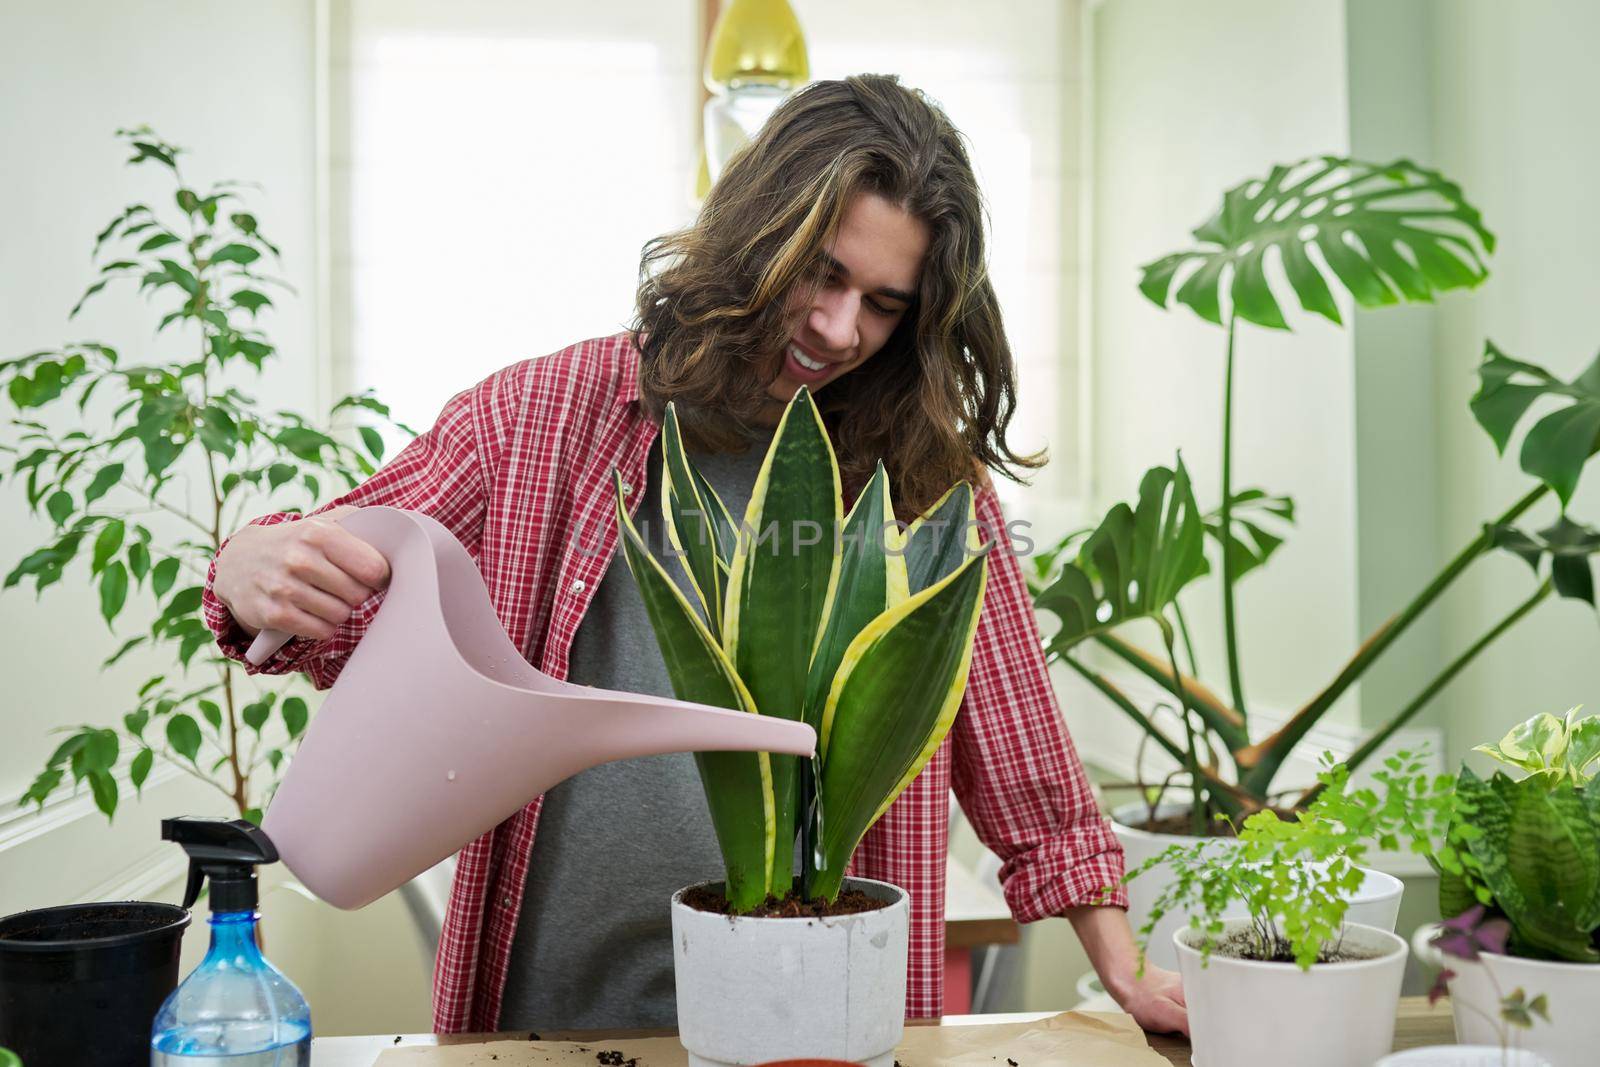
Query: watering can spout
[[438, 729]]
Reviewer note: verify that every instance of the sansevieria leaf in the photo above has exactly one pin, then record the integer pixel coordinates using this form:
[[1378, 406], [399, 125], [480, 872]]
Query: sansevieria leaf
[[897, 692], [738, 785], [782, 576], [937, 541], [1374, 228], [694, 519], [872, 579]]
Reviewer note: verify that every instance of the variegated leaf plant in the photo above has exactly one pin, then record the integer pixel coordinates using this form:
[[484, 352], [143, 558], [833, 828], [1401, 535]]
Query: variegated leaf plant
[[861, 627]]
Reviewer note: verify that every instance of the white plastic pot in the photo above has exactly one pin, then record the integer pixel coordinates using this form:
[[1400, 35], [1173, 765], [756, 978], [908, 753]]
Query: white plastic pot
[[1376, 902], [754, 990], [1572, 990], [1463, 1056], [1333, 1015]]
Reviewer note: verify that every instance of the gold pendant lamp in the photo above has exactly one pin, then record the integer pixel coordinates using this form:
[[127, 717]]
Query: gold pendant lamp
[[756, 57]]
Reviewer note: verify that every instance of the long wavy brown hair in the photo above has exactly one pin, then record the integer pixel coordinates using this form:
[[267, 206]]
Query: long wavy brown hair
[[713, 312]]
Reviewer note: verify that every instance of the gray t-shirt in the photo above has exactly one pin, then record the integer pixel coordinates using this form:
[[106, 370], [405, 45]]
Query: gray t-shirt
[[593, 948]]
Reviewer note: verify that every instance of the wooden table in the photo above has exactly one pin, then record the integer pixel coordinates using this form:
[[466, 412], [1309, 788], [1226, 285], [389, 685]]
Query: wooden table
[[1417, 1024]]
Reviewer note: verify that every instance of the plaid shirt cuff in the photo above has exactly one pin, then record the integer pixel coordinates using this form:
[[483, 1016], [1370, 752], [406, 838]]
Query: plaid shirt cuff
[[1072, 870]]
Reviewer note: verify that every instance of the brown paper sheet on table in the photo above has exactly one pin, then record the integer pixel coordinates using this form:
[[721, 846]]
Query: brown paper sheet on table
[[1072, 1039]]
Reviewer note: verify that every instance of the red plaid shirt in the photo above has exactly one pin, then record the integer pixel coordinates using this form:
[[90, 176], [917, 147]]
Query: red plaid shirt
[[519, 469]]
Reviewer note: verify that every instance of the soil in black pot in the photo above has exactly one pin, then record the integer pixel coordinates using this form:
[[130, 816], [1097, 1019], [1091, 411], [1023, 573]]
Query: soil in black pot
[[850, 902]]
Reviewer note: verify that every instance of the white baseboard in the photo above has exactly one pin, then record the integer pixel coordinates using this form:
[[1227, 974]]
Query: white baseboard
[[19, 825], [67, 852], [1106, 738]]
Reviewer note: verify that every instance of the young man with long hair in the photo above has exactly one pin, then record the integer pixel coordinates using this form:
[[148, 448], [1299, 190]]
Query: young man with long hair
[[842, 250]]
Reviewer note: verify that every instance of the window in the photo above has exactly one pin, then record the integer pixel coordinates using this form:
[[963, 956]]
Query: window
[[497, 166]]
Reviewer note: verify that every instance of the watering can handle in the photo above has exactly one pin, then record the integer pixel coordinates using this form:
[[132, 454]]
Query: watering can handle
[[266, 643]]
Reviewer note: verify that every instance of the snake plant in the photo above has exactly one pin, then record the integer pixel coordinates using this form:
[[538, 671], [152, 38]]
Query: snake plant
[[860, 627]]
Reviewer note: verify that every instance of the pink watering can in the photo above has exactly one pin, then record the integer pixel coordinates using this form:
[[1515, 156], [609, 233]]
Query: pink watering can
[[437, 728]]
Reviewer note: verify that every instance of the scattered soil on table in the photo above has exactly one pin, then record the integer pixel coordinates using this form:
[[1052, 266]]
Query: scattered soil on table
[[850, 902], [612, 1058], [1241, 946]]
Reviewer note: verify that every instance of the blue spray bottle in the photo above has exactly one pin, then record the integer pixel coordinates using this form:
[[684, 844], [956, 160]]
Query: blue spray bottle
[[235, 1009]]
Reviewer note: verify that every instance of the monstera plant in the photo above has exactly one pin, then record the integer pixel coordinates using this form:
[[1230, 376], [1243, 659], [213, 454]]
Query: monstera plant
[[1382, 234], [860, 627]]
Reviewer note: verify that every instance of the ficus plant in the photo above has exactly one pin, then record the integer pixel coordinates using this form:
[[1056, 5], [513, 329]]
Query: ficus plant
[[1381, 235], [860, 627], [164, 456]]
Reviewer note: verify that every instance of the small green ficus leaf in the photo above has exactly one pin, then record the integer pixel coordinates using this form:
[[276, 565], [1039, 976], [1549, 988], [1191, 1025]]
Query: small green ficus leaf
[[59, 506], [113, 590], [139, 770], [255, 714], [295, 715], [163, 574], [104, 479], [373, 440], [104, 788], [235, 253], [183, 734], [212, 713]]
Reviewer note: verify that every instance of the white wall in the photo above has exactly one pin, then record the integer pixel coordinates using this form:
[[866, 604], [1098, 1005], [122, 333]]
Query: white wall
[[1189, 100], [1516, 90], [235, 83]]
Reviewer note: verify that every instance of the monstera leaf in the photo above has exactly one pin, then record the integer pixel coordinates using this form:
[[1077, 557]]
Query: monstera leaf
[[1382, 231], [1134, 564], [1559, 444], [1259, 521], [1569, 545]]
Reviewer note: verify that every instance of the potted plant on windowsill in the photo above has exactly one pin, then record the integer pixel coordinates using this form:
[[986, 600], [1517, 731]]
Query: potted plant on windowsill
[[865, 631], [1273, 970], [1530, 851]]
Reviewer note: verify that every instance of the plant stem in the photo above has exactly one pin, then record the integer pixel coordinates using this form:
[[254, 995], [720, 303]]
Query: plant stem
[[1197, 796], [1431, 690], [1222, 720], [1229, 630], [1132, 710], [1262, 760], [241, 775]]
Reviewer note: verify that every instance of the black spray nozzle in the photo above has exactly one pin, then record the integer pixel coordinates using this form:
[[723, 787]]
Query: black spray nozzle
[[227, 851]]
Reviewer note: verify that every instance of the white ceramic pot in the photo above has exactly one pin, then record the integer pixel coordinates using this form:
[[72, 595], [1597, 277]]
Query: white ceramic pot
[[1572, 1036], [1333, 1015], [753, 990], [1463, 1056], [1376, 902]]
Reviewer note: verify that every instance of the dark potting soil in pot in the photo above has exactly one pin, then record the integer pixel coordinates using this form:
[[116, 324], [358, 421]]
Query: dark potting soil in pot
[[1241, 946], [850, 902], [105, 920]]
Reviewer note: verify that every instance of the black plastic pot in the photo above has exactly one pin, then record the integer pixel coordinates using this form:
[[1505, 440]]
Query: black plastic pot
[[81, 984]]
